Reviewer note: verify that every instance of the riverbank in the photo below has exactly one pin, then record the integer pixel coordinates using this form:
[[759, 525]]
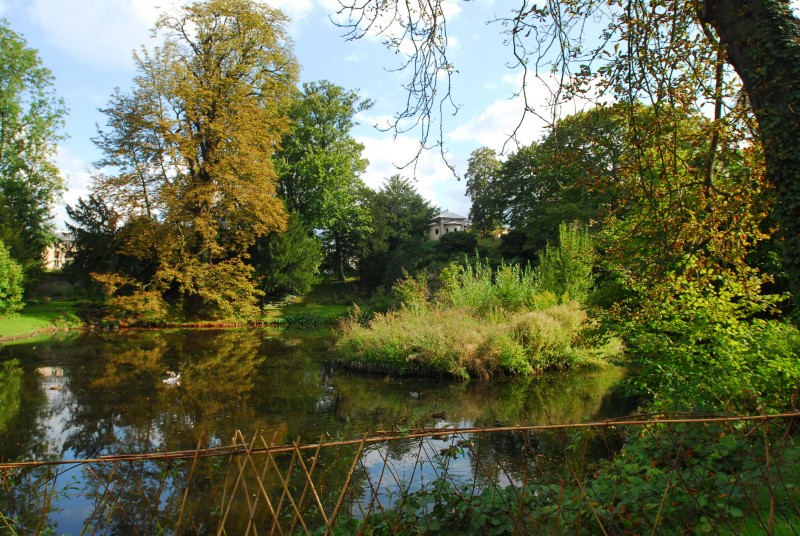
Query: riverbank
[[41, 318], [51, 316]]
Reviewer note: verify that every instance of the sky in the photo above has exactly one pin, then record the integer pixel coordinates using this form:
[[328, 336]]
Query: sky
[[88, 45]]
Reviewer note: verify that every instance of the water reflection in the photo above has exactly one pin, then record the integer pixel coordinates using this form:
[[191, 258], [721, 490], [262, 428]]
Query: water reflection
[[100, 394], [105, 393]]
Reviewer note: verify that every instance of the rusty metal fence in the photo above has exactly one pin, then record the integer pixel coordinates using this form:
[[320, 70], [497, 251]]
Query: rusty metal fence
[[673, 474]]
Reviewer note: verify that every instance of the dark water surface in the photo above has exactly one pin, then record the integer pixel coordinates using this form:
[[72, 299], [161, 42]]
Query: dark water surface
[[97, 394], [82, 396]]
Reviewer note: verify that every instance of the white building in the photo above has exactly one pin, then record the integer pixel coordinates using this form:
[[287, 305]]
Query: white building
[[59, 252], [446, 222]]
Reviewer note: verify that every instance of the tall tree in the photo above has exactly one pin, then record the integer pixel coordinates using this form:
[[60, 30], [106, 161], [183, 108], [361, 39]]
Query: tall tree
[[31, 117], [398, 213], [761, 39], [571, 175], [482, 171], [192, 145], [320, 165], [96, 233], [670, 54]]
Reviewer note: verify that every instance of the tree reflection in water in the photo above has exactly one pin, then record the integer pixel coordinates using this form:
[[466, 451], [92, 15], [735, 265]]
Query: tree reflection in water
[[108, 396]]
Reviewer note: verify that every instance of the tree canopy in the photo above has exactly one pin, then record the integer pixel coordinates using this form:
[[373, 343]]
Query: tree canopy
[[31, 117], [190, 148], [671, 55], [399, 214], [320, 165]]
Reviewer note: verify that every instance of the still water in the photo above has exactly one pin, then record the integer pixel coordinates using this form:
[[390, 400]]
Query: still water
[[87, 395]]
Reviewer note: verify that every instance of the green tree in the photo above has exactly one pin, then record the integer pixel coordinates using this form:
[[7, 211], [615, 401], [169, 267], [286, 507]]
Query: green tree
[[483, 169], [288, 262], [342, 240], [95, 230], [320, 164], [570, 175], [674, 55], [10, 283], [398, 213], [31, 117], [192, 146], [104, 244]]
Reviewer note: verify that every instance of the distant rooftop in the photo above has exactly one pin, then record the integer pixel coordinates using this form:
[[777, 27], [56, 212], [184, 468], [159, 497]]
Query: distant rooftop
[[450, 216]]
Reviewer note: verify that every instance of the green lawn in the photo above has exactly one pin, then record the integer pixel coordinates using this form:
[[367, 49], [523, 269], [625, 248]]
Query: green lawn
[[300, 313], [326, 303], [38, 318]]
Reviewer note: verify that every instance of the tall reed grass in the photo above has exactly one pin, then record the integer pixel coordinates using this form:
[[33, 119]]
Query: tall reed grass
[[452, 341], [480, 323]]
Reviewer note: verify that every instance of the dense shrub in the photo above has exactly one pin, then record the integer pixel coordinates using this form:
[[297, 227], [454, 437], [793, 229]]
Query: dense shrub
[[566, 268], [453, 341], [288, 262], [686, 479], [10, 283], [457, 243], [483, 321], [476, 286]]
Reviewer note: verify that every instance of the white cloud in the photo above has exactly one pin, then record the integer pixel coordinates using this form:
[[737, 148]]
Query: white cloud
[[433, 179], [105, 33], [505, 118], [75, 172], [493, 127], [99, 33], [295, 9]]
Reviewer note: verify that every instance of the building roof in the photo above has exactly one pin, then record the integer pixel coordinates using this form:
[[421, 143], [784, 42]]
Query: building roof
[[450, 216], [63, 236]]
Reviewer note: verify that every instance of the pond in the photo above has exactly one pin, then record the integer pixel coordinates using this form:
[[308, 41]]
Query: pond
[[82, 396]]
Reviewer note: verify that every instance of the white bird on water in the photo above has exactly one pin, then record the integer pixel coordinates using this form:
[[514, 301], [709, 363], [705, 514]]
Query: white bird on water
[[174, 379]]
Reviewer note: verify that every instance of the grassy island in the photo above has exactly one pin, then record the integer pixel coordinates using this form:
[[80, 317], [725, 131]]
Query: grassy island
[[480, 323]]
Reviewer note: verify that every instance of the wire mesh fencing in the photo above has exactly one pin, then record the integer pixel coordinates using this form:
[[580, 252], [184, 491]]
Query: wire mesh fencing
[[643, 475]]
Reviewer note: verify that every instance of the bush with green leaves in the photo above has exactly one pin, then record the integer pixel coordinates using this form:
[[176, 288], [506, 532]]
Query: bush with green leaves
[[566, 268], [476, 286], [679, 479], [454, 341], [708, 348], [10, 283], [484, 321]]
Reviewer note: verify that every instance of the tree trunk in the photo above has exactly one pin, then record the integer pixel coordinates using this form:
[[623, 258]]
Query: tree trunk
[[762, 40], [339, 253]]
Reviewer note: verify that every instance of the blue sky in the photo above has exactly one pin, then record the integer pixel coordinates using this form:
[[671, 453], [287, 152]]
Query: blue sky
[[88, 45]]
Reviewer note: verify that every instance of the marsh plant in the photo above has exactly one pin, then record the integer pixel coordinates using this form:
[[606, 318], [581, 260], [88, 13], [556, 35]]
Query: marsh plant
[[482, 321]]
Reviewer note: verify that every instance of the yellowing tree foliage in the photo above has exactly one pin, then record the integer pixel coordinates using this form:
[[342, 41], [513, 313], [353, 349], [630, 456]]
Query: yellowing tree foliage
[[190, 150]]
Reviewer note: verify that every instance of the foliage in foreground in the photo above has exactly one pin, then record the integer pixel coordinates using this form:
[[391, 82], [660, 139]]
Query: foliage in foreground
[[710, 348], [683, 480]]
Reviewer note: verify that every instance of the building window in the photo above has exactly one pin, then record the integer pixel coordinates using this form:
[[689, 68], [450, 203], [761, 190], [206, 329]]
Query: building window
[[436, 231]]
